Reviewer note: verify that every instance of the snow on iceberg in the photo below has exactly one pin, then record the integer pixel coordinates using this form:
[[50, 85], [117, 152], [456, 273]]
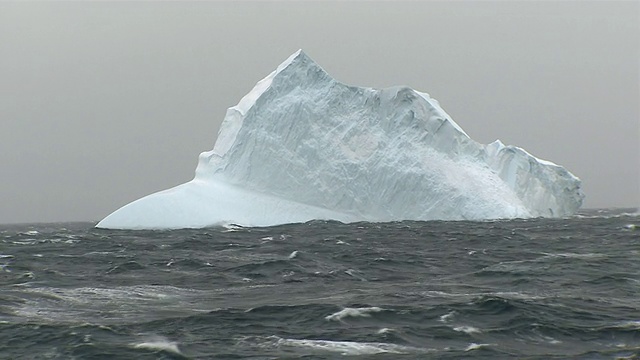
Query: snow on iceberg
[[303, 146]]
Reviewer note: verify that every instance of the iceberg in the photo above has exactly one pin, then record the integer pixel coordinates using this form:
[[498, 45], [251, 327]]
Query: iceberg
[[302, 146]]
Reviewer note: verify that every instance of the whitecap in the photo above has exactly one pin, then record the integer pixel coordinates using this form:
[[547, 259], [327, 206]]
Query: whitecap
[[125, 303], [231, 227], [447, 317], [25, 242], [350, 347], [574, 255], [293, 255], [518, 295], [92, 253], [467, 329], [474, 346], [353, 312], [159, 344], [353, 272], [631, 325], [437, 293]]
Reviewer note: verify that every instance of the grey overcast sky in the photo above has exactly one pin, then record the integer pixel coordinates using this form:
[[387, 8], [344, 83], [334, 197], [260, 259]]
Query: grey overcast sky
[[104, 102]]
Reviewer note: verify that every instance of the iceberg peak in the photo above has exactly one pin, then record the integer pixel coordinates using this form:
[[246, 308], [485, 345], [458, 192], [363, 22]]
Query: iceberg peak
[[301, 146], [297, 63], [296, 60]]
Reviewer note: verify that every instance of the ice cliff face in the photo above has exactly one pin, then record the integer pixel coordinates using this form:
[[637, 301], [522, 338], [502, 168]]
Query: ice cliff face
[[304, 146]]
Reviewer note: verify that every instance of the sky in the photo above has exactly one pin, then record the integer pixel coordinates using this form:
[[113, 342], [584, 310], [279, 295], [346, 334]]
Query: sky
[[102, 103]]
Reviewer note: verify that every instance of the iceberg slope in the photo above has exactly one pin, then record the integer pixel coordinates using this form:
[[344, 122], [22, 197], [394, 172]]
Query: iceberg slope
[[303, 146]]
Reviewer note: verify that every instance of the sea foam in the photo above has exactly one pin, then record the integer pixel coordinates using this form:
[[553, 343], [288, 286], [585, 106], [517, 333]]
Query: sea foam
[[353, 312]]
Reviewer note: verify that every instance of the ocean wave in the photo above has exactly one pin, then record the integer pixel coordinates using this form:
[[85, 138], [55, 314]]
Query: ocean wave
[[573, 256], [467, 329], [95, 305], [350, 347], [474, 346], [353, 312], [447, 317], [158, 343], [571, 292]]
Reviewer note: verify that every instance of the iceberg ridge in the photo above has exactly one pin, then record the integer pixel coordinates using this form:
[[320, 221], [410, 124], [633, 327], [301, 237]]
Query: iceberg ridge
[[302, 146]]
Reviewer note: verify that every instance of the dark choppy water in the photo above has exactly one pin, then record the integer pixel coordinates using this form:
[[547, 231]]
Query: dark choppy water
[[535, 289]]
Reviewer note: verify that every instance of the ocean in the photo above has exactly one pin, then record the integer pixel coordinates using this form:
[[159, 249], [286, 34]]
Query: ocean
[[509, 289]]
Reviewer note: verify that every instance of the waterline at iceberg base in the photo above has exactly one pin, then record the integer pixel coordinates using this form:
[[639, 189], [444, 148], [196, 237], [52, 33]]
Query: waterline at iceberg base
[[302, 146]]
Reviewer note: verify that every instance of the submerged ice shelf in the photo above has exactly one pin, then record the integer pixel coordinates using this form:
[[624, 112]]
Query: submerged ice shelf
[[303, 146]]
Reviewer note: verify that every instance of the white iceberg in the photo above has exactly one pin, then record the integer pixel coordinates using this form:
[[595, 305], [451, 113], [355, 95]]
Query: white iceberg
[[303, 146]]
